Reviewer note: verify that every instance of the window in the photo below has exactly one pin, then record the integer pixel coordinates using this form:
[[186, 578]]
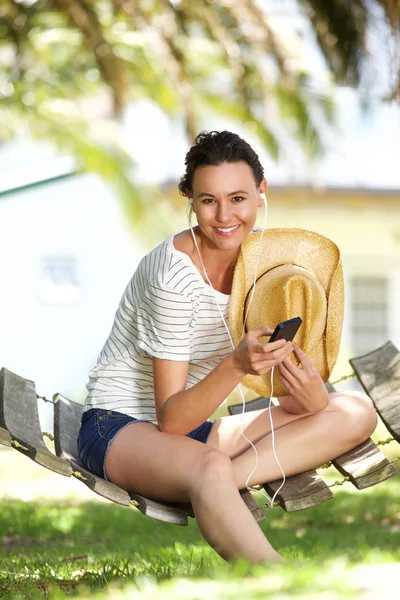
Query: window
[[370, 299], [58, 281]]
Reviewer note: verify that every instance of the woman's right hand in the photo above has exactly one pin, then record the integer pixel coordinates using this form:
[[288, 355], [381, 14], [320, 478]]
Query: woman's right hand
[[254, 358]]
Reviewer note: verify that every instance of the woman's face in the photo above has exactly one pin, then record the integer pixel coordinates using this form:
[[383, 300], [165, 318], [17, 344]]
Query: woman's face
[[226, 199]]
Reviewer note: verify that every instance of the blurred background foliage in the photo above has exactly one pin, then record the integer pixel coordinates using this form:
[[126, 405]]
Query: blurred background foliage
[[68, 69]]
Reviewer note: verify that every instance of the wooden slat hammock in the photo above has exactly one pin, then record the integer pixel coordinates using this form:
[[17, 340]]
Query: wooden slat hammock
[[364, 466]]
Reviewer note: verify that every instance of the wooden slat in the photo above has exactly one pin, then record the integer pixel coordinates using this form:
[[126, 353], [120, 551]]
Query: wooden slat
[[20, 417], [247, 498], [67, 418], [379, 374], [329, 387], [152, 508], [250, 405], [252, 505], [67, 422], [160, 511], [366, 465], [300, 491], [5, 437], [100, 486]]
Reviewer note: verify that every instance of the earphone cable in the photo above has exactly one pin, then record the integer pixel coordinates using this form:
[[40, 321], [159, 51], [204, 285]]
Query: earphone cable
[[271, 500]]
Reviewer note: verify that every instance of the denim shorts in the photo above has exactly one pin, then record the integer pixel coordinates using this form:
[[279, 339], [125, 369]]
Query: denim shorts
[[98, 429]]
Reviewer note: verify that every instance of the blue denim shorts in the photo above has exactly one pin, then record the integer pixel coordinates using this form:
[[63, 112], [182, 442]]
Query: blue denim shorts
[[98, 429]]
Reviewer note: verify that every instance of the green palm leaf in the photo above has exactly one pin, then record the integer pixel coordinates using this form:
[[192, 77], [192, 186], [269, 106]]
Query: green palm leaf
[[58, 57]]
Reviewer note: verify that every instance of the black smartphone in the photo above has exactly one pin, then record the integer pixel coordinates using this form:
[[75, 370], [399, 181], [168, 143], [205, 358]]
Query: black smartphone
[[286, 330]]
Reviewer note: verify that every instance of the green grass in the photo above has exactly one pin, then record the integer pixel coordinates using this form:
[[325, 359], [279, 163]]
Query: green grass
[[95, 548], [69, 544]]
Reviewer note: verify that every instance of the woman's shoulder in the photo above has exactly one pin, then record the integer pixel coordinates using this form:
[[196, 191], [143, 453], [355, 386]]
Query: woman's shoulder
[[182, 242], [160, 259], [168, 264]]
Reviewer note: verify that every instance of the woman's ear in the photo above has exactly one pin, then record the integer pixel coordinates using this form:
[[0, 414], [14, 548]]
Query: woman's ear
[[262, 192], [189, 196]]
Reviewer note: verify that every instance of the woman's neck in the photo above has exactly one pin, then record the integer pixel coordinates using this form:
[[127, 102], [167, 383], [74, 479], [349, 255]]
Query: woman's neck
[[218, 264]]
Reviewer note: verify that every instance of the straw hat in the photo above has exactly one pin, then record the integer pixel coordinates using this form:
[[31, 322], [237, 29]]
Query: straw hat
[[299, 273]]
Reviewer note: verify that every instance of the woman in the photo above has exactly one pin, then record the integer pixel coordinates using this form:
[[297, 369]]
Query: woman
[[168, 364]]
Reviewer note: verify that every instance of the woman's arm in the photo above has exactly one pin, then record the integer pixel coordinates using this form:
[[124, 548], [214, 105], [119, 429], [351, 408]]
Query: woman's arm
[[180, 410]]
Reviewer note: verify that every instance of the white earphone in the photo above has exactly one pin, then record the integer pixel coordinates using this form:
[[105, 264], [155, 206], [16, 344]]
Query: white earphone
[[263, 197], [189, 210]]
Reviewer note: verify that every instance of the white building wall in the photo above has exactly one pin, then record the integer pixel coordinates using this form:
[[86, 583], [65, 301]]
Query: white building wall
[[55, 345]]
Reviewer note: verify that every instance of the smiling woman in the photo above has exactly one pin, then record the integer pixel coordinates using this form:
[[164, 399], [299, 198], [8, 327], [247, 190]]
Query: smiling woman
[[169, 361]]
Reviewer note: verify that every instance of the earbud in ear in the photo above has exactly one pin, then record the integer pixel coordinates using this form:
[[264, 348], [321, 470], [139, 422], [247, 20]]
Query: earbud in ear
[[264, 198], [189, 210]]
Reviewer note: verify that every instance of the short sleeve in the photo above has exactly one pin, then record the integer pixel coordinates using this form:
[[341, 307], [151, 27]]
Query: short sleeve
[[163, 322]]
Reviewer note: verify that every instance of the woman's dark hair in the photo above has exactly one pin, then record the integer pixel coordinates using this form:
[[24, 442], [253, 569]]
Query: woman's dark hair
[[215, 148]]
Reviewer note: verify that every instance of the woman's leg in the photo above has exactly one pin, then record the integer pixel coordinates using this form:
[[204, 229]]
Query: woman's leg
[[301, 441], [175, 468]]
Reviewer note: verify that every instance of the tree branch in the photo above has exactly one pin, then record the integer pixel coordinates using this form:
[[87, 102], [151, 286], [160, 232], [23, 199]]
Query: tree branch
[[111, 66]]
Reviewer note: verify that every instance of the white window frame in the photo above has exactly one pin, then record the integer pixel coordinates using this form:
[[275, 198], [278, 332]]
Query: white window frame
[[372, 266]]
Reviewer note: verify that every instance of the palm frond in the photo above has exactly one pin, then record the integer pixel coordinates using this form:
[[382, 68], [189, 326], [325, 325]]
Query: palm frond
[[111, 66], [295, 107], [223, 36], [392, 11], [164, 29], [340, 28], [95, 148], [238, 112]]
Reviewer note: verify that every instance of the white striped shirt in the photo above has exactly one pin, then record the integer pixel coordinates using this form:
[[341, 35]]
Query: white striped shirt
[[166, 311]]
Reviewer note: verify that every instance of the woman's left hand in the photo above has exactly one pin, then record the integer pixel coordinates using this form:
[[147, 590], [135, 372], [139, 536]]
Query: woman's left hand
[[305, 385]]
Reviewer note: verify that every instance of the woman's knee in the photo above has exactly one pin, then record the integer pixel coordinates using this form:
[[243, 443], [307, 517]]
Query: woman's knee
[[359, 414], [212, 467]]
